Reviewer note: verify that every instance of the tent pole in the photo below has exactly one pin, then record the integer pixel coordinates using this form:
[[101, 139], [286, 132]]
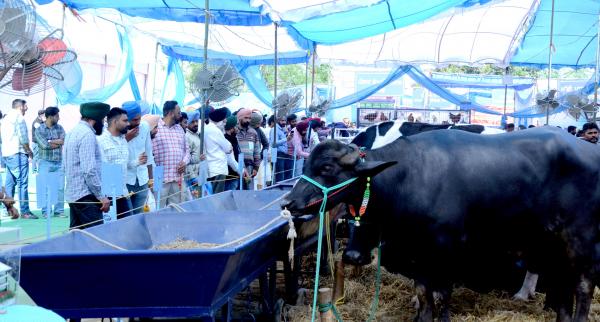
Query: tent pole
[[275, 65], [505, 94], [274, 110], [205, 94], [154, 73], [550, 59], [306, 90], [596, 71], [312, 92]]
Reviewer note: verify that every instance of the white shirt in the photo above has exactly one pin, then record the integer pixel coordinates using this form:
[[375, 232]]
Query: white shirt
[[217, 147], [114, 150], [139, 144], [14, 133]]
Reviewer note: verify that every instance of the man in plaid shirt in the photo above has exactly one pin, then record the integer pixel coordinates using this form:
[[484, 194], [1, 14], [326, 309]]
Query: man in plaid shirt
[[82, 163], [50, 137], [170, 151]]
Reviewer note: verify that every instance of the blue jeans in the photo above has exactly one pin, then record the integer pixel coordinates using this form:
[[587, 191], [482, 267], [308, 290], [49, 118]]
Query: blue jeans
[[18, 174], [138, 199], [232, 183], [55, 167]]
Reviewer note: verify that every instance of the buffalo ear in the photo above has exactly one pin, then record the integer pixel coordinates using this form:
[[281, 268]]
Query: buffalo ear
[[371, 168]]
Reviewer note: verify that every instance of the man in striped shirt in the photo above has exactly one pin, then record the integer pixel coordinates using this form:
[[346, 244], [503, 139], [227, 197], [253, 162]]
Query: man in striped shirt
[[170, 151], [249, 146]]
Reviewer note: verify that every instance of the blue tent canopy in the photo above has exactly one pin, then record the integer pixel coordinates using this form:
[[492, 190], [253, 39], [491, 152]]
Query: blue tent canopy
[[230, 12], [575, 29], [326, 29], [192, 54]]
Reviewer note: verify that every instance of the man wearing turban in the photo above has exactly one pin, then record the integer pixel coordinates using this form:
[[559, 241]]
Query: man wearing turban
[[217, 148], [82, 163], [152, 122], [250, 145], [192, 170], [141, 158]]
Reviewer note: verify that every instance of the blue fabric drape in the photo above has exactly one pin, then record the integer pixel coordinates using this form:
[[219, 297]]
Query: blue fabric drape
[[256, 83], [173, 67], [66, 93], [135, 90], [481, 81]]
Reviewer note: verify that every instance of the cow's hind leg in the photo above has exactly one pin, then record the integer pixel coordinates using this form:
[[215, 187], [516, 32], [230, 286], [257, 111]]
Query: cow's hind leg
[[426, 303], [560, 300], [583, 298]]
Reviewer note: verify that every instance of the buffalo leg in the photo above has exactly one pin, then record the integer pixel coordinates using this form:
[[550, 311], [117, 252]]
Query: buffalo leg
[[528, 289], [426, 303], [583, 298], [562, 303]]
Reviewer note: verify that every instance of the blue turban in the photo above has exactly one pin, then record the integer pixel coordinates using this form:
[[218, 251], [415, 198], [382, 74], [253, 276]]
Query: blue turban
[[193, 116], [133, 109]]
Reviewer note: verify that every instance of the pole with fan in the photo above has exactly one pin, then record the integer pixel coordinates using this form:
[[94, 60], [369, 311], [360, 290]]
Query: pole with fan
[[579, 104], [319, 106], [546, 102]]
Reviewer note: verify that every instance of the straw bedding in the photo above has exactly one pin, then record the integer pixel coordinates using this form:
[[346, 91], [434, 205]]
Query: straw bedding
[[396, 301]]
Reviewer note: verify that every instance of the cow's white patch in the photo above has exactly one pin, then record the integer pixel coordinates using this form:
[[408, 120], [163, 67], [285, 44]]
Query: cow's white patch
[[389, 137]]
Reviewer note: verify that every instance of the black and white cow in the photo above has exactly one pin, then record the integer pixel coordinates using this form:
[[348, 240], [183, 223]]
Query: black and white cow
[[443, 200], [378, 135]]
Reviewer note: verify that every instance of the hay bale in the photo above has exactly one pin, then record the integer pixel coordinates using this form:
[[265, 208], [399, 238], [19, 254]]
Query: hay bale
[[180, 243]]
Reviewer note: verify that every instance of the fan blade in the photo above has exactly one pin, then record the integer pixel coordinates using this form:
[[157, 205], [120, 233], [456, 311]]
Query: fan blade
[[220, 73], [53, 50], [203, 79], [26, 77], [229, 73], [219, 94]]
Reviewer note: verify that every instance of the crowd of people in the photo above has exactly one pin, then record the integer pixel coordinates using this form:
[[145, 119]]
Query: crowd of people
[[137, 143]]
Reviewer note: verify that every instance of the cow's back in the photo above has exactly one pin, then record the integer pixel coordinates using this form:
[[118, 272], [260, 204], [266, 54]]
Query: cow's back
[[498, 191]]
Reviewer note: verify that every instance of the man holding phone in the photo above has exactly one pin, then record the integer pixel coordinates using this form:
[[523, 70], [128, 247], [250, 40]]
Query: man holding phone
[[139, 167]]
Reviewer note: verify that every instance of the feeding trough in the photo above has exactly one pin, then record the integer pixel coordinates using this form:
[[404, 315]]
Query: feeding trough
[[234, 200], [77, 275], [118, 272]]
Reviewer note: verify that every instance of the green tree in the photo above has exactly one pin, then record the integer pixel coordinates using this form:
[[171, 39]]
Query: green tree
[[488, 69], [295, 75]]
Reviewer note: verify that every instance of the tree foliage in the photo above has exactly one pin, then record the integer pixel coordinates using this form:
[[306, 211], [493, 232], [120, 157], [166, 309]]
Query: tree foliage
[[518, 71], [295, 75]]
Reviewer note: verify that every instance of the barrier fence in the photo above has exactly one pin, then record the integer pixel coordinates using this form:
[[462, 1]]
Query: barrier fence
[[184, 190]]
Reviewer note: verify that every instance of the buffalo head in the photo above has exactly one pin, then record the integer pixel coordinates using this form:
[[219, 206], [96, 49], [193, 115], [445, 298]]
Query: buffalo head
[[331, 163]]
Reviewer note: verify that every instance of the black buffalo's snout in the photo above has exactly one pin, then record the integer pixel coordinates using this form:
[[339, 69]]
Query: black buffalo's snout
[[287, 203]]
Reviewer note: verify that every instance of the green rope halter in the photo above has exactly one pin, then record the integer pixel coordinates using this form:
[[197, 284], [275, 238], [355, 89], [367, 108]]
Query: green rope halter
[[326, 191]]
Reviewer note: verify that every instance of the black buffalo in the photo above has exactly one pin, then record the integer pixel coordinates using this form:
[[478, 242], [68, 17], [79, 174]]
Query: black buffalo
[[443, 198]]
